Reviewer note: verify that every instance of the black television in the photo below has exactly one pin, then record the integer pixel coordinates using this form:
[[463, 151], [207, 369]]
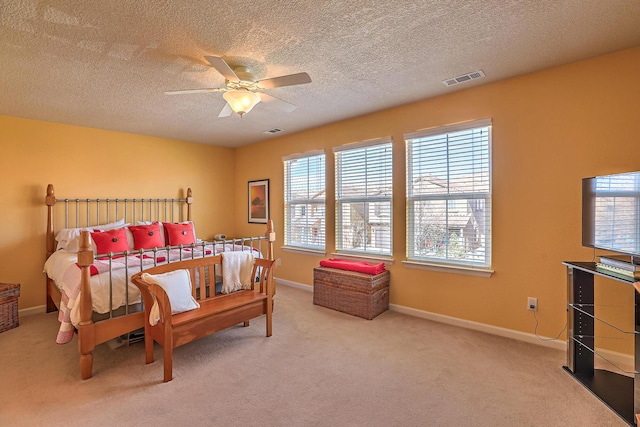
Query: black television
[[611, 213]]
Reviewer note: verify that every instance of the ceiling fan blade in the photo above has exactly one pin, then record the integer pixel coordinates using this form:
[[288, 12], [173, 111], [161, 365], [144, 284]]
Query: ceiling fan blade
[[186, 91], [277, 102], [226, 111], [223, 68], [290, 80]]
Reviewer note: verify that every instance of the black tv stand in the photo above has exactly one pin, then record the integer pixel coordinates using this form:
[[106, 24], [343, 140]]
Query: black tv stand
[[620, 392]]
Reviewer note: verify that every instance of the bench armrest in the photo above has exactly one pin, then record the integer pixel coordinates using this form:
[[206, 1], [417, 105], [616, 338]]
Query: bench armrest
[[263, 269], [152, 293]]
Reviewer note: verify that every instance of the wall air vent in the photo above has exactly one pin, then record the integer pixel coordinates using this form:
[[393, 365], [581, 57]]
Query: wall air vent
[[463, 78], [272, 131]]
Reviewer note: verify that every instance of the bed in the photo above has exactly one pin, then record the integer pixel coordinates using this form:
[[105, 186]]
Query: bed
[[101, 243]]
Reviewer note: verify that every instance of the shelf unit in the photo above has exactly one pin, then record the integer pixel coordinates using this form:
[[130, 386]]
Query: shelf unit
[[620, 392]]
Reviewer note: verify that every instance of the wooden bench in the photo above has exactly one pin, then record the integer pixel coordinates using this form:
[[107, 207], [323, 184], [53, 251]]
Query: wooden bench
[[216, 312]]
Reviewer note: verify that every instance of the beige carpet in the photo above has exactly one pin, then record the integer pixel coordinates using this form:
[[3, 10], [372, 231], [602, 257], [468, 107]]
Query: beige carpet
[[320, 368]]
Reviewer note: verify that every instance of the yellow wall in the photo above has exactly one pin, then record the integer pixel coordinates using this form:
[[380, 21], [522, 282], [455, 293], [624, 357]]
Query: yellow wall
[[550, 129], [83, 162]]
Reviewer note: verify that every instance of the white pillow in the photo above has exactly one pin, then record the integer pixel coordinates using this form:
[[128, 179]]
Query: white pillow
[[69, 238], [111, 226], [177, 285]]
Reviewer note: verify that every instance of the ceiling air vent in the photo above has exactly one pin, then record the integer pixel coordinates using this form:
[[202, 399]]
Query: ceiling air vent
[[463, 78], [272, 131]]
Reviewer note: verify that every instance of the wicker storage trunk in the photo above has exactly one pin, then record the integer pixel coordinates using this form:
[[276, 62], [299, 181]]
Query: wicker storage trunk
[[358, 294], [9, 293]]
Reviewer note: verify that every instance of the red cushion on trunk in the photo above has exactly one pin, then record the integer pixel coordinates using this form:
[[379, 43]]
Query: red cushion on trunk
[[358, 266]]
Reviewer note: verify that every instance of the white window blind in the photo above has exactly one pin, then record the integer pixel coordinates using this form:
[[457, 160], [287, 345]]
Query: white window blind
[[304, 204], [364, 189], [449, 195]]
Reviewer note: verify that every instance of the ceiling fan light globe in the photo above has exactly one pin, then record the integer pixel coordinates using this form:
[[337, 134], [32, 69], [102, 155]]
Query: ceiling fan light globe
[[241, 101]]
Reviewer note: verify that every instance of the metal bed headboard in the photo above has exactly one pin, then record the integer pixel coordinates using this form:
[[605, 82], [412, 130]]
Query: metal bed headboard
[[85, 212], [164, 209]]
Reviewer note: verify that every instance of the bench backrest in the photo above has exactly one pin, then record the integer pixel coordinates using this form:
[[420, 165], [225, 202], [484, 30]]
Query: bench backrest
[[203, 272]]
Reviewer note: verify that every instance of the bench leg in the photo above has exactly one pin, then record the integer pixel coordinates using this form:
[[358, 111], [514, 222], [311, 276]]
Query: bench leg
[[246, 323], [168, 363], [269, 318], [148, 347]]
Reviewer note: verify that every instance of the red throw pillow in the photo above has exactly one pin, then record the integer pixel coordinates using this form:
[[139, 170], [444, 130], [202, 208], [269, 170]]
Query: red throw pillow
[[110, 241], [179, 234], [146, 236]]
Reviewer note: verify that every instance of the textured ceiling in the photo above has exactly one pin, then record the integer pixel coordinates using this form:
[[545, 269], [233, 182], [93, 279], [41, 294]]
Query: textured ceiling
[[106, 64]]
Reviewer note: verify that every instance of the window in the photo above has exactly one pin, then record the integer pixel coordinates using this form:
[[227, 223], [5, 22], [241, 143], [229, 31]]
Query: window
[[304, 200], [449, 195], [364, 188]]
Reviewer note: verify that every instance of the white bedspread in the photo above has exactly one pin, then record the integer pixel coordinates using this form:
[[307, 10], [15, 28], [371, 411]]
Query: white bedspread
[[63, 269]]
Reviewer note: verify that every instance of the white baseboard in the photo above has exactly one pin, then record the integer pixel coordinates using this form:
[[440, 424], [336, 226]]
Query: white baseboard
[[32, 310], [293, 284], [625, 361], [481, 327]]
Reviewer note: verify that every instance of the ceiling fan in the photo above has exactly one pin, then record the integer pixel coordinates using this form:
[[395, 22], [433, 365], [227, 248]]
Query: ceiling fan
[[242, 91]]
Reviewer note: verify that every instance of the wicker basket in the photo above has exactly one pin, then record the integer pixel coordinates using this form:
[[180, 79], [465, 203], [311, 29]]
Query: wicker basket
[[9, 293], [358, 294]]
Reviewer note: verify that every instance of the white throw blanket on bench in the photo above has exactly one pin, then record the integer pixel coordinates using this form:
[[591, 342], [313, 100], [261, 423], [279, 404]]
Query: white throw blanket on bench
[[236, 271]]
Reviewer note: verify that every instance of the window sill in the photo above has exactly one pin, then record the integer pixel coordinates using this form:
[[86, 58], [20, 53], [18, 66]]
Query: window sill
[[367, 258], [467, 271], [305, 251]]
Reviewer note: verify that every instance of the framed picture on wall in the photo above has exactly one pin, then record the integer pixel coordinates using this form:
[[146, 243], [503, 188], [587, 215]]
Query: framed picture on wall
[[259, 201]]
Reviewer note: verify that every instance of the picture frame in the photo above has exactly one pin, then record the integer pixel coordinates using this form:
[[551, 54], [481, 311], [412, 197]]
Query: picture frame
[[258, 201]]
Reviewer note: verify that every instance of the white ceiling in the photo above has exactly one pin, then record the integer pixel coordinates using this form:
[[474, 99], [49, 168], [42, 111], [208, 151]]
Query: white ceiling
[[106, 63]]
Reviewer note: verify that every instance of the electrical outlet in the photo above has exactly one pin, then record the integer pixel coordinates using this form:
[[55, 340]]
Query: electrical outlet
[[279, 263], [532, 304]]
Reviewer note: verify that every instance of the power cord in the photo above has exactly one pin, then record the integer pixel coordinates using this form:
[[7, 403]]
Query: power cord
[[535, 331]]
